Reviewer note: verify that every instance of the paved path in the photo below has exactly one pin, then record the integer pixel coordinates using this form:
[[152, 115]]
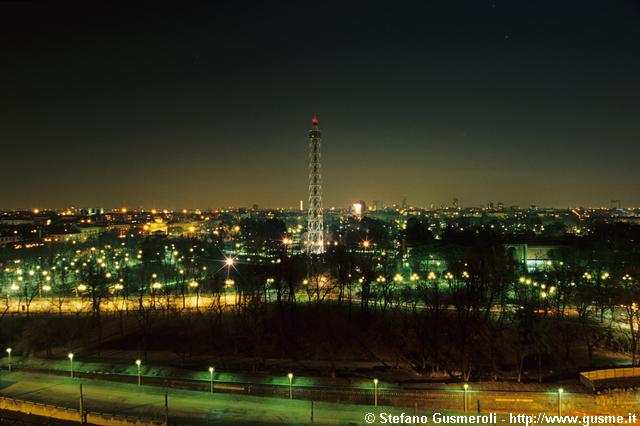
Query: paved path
[[185, 407], [197, 407]]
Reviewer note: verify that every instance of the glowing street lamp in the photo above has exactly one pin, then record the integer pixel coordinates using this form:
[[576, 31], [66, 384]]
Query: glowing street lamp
[[138, 364], [70, 356], [560, 391], [229, 261], [290, 376], [375, 392], [211, 371], [9, 361], [466, 404]]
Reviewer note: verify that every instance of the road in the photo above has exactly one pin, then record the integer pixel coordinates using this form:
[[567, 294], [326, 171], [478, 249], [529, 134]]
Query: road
[[198, 407], [496, 397], [75, 305], [185, 407], [202, 301]]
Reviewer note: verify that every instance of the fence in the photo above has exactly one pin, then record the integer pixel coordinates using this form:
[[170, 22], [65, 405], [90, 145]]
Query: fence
[[611, 378], [71, 414]]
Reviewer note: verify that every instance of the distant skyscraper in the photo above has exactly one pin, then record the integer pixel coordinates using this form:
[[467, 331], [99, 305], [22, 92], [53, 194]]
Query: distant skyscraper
[[315, 225]]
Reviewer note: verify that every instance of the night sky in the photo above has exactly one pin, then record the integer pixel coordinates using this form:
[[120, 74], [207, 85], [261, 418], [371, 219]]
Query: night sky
[[524, 102]]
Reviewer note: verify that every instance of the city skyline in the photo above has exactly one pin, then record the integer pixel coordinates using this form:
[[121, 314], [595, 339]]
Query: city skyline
[[209, 106], [283, 212]]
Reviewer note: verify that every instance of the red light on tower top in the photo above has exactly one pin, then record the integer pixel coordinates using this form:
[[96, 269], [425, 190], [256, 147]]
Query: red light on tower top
[[314, 120]]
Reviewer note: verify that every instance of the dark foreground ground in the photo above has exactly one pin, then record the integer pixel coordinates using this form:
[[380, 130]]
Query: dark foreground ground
[[21, 419]]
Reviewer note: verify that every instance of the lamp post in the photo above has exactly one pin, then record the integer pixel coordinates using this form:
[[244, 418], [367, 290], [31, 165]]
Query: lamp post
[[82, 420], [138, 364], [9, 361], [290, 376], [211, 371], [466, 387], [375, 392], [560, 391], [70, 356]]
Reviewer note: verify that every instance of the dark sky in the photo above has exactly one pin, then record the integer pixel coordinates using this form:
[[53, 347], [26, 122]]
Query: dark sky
[[525, 102]]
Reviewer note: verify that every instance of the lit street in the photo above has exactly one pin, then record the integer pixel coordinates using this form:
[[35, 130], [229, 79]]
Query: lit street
[[185, 407]]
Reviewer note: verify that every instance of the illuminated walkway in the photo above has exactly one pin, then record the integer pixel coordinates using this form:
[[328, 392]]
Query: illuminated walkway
[[185, 407]]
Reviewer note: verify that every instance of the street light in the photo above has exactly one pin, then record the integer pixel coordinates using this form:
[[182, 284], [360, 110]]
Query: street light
[[70, 356], [211, 371], [138, 364], [290, 376], [375, 392], [466, 387], [9, 355], [560, 391]]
